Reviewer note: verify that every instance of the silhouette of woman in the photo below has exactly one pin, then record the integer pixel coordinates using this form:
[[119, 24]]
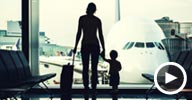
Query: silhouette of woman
[[89, 24]]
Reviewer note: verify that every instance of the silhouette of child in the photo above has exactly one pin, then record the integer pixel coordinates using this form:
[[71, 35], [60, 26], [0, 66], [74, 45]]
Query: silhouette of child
[[115, 67]]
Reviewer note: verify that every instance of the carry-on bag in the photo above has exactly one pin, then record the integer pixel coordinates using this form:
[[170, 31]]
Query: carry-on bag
[[66, 79]]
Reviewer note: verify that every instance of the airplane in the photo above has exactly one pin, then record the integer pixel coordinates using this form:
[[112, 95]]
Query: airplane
[[138, 41]]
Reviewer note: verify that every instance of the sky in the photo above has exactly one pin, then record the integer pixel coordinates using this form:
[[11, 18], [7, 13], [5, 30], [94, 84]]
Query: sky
[[9, 10], [59, 18]]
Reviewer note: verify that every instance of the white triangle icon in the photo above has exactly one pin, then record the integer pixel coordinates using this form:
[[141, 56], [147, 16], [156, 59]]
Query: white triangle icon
[[169, 78]]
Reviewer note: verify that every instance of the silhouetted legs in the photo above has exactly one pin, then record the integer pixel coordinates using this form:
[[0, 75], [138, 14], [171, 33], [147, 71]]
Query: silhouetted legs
[[85, 61], [93, 97], [114, 96], [115, 87], [115, 92], [66, 96], [86, 96], [94, 63], [88, 51]]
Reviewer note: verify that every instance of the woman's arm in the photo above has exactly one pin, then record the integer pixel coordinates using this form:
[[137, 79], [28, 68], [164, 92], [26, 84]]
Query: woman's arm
[[103, 56], [101, 35], [120, 67]]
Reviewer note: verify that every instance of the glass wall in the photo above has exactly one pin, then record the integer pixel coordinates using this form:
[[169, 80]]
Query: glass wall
[[138, 25], [10, 24], [58, 28]]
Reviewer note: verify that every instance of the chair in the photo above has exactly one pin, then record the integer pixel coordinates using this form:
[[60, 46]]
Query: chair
[[38, 78], [183, 58], [16, 74], [10, 84]]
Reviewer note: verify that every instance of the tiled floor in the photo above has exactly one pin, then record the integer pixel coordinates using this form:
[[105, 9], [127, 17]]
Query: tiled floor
[[108, 97], [126, 92]]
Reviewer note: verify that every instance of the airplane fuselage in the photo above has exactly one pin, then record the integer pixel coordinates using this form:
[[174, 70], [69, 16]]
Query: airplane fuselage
[[138, 42]]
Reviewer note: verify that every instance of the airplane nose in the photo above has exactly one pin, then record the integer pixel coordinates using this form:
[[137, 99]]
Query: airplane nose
[[148, 52]]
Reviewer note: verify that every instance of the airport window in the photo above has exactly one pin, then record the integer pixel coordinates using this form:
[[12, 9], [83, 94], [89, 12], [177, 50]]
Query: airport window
[[150, 45], [58, 28], [56, 24], [128, 45], [139, 44], [57, 32], [10, 25]]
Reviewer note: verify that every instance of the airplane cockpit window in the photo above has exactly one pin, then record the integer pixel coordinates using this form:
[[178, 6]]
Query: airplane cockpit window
[[125, 47], [150, 45], [128, 45], [139, 45], [159, 45]]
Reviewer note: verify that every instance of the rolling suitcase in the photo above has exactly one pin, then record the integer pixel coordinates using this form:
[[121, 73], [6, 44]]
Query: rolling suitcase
[[66, 79]]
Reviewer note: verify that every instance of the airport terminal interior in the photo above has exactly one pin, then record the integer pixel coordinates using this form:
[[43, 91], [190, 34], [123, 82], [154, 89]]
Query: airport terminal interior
[[37, 38]]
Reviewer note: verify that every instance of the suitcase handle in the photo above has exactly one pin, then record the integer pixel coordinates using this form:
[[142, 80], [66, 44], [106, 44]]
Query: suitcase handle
[[73, 58]]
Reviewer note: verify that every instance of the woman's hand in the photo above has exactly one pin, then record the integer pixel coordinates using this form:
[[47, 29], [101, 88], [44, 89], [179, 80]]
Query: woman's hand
[[75, 50], [102, 54]]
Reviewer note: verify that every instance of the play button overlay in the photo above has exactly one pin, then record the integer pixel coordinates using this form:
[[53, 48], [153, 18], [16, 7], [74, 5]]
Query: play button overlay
[[170, 78]]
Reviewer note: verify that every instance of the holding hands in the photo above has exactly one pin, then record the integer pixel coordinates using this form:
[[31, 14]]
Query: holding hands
[[102, 54]]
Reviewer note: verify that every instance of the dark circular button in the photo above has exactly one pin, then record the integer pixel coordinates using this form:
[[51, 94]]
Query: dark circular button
[[170, 78]]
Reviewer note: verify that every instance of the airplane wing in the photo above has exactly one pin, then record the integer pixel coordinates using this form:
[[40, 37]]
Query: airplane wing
[[60, 61]]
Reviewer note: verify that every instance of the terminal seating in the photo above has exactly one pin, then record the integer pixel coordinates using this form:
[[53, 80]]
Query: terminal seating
[[15, 74], [184, 59]]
